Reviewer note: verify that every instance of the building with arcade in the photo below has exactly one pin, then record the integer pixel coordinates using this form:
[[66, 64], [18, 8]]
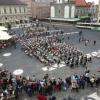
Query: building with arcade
[[13, 11]]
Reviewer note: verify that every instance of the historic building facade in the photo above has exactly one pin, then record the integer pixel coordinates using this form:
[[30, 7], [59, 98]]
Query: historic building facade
[[93, 12], [98, 15], [63, 9], [13, 11], [38, 8], [82, 8]]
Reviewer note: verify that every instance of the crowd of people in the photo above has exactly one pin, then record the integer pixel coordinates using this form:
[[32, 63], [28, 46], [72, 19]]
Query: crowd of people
[[50, 49], [14, 86]]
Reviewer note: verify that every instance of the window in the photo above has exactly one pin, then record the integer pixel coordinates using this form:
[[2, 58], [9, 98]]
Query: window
[[59, 11], [24, 10], [10, 11], [20, 10], [5, 11], [15, 10]]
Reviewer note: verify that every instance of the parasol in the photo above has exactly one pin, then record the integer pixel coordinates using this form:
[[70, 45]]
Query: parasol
[[7, 54], [18, 72]]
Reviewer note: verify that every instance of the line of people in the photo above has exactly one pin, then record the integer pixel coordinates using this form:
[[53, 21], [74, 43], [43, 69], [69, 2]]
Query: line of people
[[14, 87]]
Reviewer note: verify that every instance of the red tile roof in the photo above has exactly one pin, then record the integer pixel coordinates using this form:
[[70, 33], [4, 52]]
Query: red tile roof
[[81, 3]]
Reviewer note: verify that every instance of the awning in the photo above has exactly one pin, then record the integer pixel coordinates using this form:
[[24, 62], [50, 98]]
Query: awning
[[4, 35], [2, 28], [83, 17], [65, 19]]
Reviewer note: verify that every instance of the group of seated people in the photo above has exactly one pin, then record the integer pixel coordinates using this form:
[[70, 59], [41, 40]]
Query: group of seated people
[[12, 87], [50, 49], [7, 43]]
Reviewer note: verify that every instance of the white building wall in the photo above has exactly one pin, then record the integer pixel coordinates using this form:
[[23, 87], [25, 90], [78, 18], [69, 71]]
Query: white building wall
[[17, 8], [22, 9], [7, 10], [66, 0], [66, 12], [52, 11], [73, 11], [13, 11], [13, 14], [59, 1]]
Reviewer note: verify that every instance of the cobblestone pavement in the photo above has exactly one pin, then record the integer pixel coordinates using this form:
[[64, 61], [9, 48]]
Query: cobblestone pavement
[[31, 66]]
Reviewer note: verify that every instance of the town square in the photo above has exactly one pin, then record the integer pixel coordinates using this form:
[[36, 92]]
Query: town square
[[50, 58]]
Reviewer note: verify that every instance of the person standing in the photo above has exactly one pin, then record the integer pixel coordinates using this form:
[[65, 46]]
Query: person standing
[[80, 33], [94, 42]]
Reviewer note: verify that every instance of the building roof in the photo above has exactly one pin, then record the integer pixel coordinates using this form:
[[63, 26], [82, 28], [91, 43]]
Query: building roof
[[11, 2], [81, 3]]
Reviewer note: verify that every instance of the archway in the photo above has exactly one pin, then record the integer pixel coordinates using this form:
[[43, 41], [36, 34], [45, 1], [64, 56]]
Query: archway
[[52, 11], [66, 12]]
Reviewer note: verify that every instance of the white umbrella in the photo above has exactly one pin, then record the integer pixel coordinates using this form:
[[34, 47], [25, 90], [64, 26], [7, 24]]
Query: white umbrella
[[1, 64], [18, 72], [4, 35], [7, 54]]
